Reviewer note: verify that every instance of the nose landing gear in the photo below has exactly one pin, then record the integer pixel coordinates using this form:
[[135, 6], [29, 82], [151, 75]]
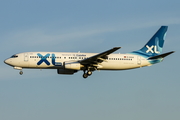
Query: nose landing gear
[[21, 72], [19, 68]]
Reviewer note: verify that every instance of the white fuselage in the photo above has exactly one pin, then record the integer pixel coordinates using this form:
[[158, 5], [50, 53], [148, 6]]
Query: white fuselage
[[69, 63], [55, 60]]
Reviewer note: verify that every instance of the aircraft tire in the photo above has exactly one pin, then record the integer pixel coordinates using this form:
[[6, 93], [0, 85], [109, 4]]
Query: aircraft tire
[[89, 73], [21, 72], [85, 75]]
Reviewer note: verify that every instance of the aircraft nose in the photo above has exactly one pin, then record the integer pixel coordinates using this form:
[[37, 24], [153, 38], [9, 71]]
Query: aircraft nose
[[7, 61]]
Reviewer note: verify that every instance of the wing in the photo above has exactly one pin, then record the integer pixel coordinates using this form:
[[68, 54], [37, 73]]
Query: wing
[[99, 57]]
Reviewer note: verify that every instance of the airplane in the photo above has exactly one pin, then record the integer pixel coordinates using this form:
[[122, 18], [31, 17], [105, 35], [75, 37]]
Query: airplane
[[69, 63]]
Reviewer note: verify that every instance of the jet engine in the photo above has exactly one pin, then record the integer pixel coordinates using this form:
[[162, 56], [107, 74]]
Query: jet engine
[[72, 65]]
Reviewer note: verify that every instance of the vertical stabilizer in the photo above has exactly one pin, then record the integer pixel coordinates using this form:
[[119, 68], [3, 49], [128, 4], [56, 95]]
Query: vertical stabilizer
[[154, 46]]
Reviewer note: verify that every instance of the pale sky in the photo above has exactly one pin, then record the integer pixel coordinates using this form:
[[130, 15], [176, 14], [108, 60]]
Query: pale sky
[[149, 93]]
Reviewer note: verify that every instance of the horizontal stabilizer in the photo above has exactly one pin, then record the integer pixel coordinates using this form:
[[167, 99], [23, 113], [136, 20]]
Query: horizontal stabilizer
[[161, 56]]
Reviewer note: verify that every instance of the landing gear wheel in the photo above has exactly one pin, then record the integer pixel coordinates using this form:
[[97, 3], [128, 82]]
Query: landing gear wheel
[[85, 75], [21, 72], [89, 73]]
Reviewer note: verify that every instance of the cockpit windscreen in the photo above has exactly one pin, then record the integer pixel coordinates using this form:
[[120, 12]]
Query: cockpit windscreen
[[14, 56]]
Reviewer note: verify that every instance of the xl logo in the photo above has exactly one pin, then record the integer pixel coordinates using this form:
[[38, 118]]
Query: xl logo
[[44, 59], [150, 49]]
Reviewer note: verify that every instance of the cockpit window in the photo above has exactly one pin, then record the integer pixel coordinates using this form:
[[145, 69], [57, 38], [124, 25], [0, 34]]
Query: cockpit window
[[14, 56]]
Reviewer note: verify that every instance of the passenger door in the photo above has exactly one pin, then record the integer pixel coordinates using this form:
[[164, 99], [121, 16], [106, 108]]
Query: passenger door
[[139, 60], [26, 57]]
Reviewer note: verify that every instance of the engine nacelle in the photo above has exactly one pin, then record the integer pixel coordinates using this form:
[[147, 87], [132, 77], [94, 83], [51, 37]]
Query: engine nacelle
[[67, 72], [72, 65]]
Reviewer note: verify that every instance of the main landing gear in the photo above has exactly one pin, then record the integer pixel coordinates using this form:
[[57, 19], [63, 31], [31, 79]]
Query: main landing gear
[[87, 73]]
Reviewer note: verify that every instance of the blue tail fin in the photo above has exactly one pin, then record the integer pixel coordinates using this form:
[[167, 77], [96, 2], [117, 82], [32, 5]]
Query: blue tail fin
[[154, 46]]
